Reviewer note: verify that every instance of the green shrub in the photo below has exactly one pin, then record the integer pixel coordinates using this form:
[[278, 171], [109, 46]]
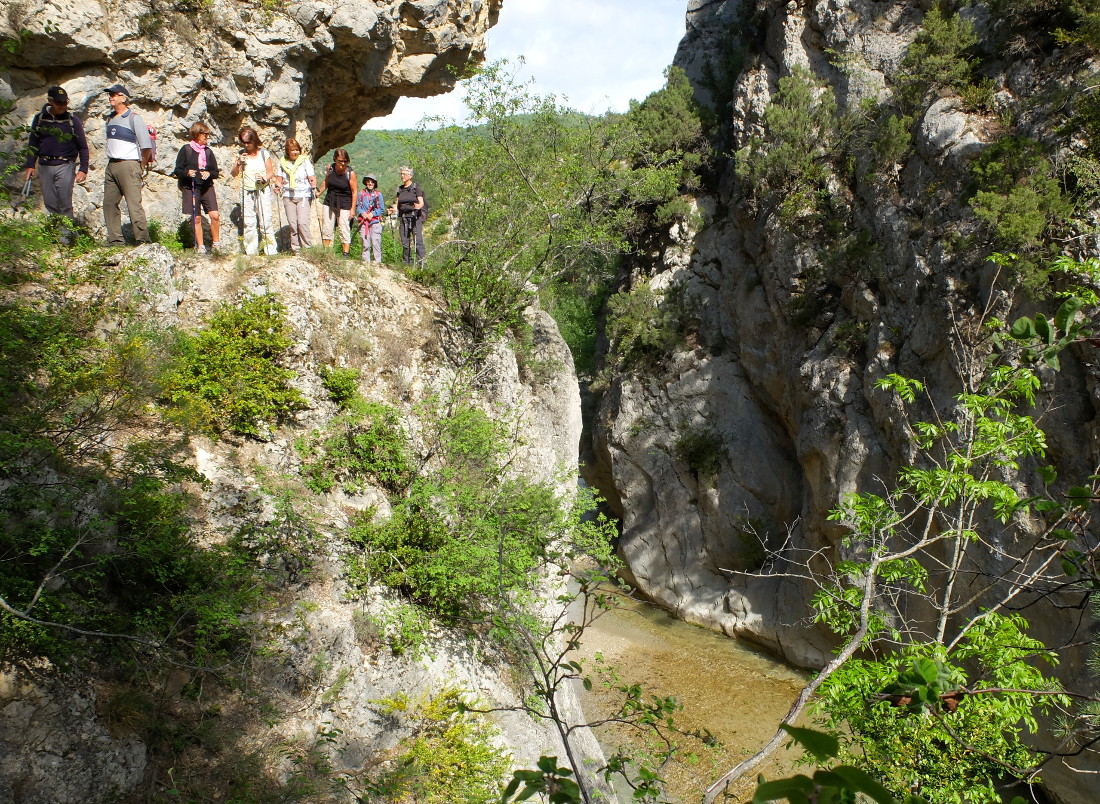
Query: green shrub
[[366, 444], [1046, 24], [169, 237], [95, 531], [404, 627], [938, 58], [1019, 196], [702, 449], [962, 755], [791, 161], [576, 307], [228, 376], [892, 140], [1084, 120], [467, 539], [456, 547], [452, 757], [342, 384], [641, 326], [850, 336], [668, 146]]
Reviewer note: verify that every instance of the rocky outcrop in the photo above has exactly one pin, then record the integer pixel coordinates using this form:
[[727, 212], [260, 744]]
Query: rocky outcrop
[[54, 746], [316, 71], [77, 736], [779, 363]]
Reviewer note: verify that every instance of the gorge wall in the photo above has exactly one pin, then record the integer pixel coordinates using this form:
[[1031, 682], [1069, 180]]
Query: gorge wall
[[787, 319], [315, 71]]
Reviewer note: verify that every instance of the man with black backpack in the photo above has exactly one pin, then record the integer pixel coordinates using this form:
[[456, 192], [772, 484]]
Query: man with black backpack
[[411, 212], [129, 150], [57, 141]]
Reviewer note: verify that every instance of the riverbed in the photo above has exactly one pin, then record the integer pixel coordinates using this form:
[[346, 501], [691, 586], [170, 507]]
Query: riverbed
[[725, 685]]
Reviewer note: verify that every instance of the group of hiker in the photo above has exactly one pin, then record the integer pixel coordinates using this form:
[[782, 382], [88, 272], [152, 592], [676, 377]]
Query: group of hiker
[[58, 150]]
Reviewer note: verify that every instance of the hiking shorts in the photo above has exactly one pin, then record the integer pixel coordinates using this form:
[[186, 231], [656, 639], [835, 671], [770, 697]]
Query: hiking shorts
[[208, 200]]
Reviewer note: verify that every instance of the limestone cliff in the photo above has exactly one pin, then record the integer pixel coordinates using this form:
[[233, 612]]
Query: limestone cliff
[[316, 71], [789, 323], [79, 736]]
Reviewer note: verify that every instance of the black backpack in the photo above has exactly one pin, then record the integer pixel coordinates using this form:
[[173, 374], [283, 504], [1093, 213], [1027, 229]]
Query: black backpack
[[415, 188], [55, 127]]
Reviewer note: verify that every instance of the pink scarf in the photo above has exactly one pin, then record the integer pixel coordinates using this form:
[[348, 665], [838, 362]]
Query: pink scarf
[[200, 149]]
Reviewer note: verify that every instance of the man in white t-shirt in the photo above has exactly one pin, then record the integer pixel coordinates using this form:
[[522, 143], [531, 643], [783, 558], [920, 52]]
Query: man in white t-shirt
[[129, 150]]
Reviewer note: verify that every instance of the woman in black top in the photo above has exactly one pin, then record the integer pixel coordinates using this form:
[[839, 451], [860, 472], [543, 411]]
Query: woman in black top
[[341, 188], [196, 170]]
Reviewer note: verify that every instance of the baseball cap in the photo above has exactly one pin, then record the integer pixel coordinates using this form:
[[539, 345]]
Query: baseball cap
[[111, 90], [57, 94]]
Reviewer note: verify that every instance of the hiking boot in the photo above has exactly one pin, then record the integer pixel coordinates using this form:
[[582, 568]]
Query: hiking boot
[[200, 250]]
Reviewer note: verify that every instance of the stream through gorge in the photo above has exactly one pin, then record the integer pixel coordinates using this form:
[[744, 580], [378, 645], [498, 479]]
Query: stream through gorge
[[725, 685]]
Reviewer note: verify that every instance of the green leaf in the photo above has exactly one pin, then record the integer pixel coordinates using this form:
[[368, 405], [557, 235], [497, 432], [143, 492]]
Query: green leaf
[[1043, 329], [928, 670], [795, 789], [823, 746], [1067, 312], [1080, 496], [862, 782], [1024, 328]]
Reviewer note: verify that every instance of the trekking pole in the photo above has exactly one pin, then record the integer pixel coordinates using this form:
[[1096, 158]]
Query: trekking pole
[[240, 227], [23, 196], [393, 238], [195, 226], [278, 214], [320, 223], [264, 237]]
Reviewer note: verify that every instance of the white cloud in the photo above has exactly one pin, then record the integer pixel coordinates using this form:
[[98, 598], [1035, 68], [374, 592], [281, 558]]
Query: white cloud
[[599, 54]]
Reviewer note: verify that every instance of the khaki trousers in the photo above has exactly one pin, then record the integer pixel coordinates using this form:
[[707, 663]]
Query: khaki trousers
[[123, 180], [297, 218]]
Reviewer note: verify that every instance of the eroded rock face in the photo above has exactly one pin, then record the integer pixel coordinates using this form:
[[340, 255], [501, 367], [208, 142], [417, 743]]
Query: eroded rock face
[[315, 71], [65, 738], [779, 367], [53, 745]]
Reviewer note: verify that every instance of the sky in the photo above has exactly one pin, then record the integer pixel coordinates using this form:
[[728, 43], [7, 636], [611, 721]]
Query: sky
[[599, 54]]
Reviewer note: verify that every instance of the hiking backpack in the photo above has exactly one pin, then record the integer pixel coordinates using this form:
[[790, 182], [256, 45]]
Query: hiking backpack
[[152, 138]]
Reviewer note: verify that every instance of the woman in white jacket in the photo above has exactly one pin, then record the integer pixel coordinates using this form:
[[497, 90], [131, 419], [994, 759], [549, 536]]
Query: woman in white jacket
[[296, 180]]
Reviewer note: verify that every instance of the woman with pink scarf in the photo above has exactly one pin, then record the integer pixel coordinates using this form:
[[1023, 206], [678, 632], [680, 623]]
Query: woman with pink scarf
[[196, 170]]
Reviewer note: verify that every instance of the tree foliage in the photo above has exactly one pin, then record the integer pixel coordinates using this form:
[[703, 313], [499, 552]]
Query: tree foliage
[[940, 56], [96, 528], [534, 193], [229, 376], [937, 687], [791, 164]]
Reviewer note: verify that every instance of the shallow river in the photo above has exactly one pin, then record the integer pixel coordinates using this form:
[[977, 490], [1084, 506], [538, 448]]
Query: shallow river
[[725, 685]]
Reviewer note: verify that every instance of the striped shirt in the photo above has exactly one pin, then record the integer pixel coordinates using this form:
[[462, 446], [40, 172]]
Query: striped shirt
[[127, 136]]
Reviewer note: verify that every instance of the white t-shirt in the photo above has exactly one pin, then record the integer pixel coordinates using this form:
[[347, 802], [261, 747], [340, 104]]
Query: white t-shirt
[[301, 187], [255, 167]]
